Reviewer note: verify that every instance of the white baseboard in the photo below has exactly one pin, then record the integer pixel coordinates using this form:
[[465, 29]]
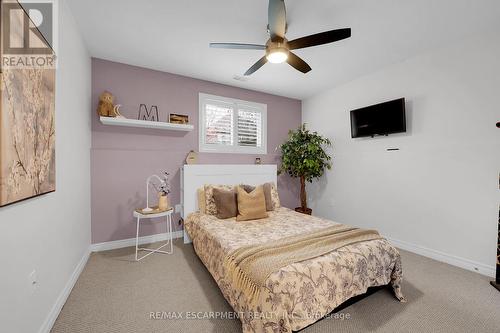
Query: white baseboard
[[118, 244], [63, 296], [444, 257]]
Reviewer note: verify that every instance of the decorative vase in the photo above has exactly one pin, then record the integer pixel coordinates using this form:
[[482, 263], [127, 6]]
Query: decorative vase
[[162, 202]]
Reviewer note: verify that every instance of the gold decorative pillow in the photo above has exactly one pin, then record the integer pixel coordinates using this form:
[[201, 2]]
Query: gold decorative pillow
[[211, 208], [275, 197], [201, 200], [267, 194], [251, 206], [226, 203]]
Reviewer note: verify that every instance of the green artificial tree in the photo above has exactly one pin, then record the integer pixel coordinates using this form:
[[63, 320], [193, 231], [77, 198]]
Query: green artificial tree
[[303, 156]]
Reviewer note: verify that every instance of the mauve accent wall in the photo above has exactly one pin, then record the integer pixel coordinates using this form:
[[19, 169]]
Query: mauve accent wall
[[122, 158]]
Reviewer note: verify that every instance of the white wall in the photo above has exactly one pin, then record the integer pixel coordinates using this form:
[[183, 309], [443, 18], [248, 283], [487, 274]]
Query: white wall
[[51, 233], [440, 191]]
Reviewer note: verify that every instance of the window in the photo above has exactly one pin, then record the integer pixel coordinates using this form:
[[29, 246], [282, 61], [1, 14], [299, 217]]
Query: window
[[232, 126]]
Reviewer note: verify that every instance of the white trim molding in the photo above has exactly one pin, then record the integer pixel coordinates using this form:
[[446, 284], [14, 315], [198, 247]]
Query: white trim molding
[[444, 257], [118, 244], [63, 296]]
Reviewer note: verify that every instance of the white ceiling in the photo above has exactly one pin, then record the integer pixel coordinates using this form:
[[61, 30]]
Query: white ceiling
[[173, 36]]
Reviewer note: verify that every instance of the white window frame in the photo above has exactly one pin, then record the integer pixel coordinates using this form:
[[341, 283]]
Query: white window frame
[[236, 104]]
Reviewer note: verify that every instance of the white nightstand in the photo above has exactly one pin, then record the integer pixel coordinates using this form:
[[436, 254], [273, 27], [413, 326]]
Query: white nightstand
[[140, 216]]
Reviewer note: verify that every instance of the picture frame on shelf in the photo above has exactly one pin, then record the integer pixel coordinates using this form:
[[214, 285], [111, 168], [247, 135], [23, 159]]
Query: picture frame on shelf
[[175, 118]]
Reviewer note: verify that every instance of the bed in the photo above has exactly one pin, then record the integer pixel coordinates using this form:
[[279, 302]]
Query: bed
[[298, 294]]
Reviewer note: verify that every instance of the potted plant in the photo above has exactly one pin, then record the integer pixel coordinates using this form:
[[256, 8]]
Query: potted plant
[[303, 156]]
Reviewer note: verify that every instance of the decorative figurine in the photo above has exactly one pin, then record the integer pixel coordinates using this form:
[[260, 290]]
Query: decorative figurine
[[192, 157]]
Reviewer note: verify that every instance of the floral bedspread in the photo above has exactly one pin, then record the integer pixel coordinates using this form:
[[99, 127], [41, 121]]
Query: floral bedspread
[[298, 294]]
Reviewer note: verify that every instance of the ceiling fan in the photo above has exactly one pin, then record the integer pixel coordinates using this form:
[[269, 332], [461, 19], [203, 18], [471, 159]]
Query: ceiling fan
[[278, 48]]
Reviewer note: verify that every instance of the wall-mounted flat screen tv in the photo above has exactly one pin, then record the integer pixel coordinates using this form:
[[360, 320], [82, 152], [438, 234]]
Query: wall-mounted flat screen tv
[[380, 119]]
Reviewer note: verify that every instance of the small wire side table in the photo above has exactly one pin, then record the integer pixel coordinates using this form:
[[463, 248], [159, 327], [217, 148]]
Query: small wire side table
[[140, 216]]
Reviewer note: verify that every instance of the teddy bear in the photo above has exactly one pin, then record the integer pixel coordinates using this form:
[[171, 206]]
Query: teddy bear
[[105, 107]]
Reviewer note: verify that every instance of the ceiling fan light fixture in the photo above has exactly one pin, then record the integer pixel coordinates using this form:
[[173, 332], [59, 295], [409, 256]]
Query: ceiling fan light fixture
[[277, 56], [278, 48]]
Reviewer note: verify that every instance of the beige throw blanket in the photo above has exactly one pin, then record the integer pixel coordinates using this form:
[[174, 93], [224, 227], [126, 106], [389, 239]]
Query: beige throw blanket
[[250, 266]]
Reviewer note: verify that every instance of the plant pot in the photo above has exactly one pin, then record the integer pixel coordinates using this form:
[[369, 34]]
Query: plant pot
[[307, 211], [162, 202]]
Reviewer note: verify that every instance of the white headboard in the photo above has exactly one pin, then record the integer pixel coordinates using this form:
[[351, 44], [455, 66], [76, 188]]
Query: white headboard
[[195, 176]]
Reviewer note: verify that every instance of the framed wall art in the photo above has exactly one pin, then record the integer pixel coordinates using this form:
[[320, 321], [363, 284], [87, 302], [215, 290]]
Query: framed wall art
[[27, 113]]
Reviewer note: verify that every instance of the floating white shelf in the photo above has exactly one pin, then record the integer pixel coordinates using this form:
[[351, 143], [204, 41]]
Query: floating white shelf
[[145, 124]]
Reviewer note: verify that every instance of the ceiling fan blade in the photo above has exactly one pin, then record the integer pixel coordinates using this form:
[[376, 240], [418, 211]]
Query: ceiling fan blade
[[320, 38], [298, 63], [277, 19], [262, 61], [237, 46]]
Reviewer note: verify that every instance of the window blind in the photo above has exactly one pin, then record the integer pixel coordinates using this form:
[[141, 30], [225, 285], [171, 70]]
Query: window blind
[[219, 125], [249, 128]]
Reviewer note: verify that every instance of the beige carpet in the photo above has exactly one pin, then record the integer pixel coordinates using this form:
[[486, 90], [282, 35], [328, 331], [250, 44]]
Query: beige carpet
[[115, 294]]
